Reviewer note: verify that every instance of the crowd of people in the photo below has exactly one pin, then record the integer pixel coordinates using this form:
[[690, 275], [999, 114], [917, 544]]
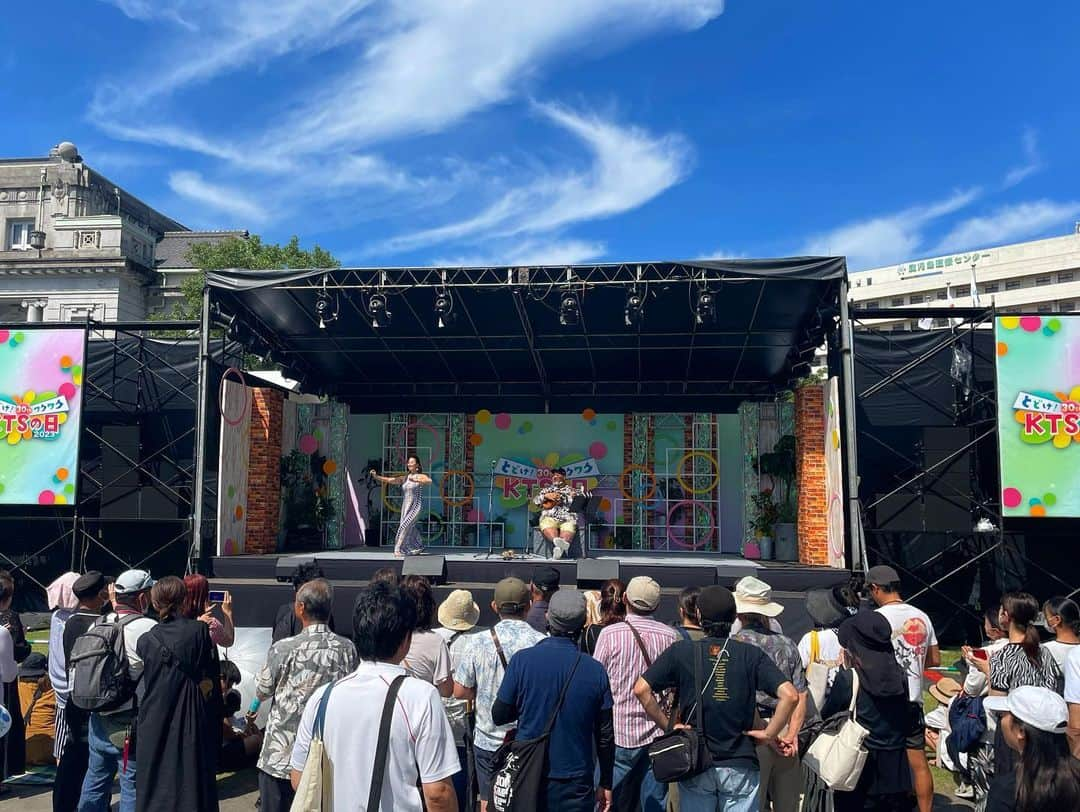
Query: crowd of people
[[416, 709]]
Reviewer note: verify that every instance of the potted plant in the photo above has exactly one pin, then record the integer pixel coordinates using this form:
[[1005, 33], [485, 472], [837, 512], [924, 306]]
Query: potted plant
[[779, 466], [763, 523]]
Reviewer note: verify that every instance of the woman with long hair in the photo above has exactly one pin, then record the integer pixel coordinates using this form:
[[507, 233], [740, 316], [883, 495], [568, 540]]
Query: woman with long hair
[[689, 625], [407, 541], [179, 723], [429, 656], [1046, 777], [611, 610], [197, 606], [1062, 616]]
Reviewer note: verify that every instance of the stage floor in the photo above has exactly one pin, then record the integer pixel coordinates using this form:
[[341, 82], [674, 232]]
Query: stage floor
[[257, 590]]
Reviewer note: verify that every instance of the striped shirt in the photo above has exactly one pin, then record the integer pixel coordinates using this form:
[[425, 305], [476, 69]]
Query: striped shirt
[[617, 650], [1010, 668]]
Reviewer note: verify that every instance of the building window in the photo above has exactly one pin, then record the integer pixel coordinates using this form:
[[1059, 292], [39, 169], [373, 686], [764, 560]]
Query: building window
[[1046, 308], [1066, 307], [917, 298], [941, 296], [898, 302], [869, 281], [868, 305], [1065, 276], [990, 287], [962, 290], [1041, 281], [18, 234], [1014, 284]]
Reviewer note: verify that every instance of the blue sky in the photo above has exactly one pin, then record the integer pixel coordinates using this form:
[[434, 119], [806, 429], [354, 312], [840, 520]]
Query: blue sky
[[483, 132]]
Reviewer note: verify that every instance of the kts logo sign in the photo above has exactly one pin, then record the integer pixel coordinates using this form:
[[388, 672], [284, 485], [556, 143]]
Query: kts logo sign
[[37, 421]]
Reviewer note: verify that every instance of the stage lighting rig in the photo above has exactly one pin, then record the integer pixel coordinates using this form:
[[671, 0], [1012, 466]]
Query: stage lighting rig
[[569, 310], [705, 307], [379, 310], [635, 307], [444, 309], [326, 307]]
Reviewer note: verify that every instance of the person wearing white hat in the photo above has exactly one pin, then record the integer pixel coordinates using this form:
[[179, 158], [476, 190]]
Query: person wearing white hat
[[781, 777], [1034, 721]]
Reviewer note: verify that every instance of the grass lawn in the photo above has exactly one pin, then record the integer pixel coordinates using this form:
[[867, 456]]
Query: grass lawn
[[944, 783]]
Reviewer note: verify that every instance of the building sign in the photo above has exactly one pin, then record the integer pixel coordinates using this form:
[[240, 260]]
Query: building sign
[[1039, 415], [928, 267], [41, 383]]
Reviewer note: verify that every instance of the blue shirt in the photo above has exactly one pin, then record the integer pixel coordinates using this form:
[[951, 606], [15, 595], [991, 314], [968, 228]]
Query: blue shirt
[[532, 684]]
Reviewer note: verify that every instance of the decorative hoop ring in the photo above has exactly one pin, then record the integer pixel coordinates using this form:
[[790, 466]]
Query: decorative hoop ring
[[459, 502], [694, 505], [221, 397], [622, 483], [698, 491]]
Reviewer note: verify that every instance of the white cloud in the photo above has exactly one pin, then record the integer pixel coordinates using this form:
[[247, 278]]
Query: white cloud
[[530, 253], [1009, 223], [1032, 161], [629, 167], [886, 238], [229, 201]]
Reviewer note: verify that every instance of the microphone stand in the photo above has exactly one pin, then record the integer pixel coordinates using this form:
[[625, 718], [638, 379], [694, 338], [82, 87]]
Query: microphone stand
[[491, 538]]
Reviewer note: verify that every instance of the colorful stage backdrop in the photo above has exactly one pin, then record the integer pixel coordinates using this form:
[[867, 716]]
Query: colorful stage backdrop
[[1038, 390], [41, 381]]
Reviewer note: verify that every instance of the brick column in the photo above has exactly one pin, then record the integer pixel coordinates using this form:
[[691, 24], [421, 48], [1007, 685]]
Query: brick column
[[810, 474], [264, 472]]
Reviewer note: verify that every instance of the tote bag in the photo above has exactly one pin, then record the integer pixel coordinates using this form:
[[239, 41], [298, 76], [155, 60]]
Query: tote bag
[[838, 758], [316, 789]]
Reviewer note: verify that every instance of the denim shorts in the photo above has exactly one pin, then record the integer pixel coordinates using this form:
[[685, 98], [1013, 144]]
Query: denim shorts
[[485, 771]]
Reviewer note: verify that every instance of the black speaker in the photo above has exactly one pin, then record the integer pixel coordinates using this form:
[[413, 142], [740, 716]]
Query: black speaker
[[287, 565], [597, 569], [432, 567]]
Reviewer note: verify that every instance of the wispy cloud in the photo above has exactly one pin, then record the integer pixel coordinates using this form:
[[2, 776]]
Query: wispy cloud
[[889, 237], [228, 201], [1032, 161], [1008, 223], [530, 252]]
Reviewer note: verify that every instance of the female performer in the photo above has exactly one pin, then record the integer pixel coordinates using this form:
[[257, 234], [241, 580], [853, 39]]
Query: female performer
[[408, 541]]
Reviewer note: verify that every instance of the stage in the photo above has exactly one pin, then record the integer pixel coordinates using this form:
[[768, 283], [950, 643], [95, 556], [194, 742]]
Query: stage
[[257, 590]]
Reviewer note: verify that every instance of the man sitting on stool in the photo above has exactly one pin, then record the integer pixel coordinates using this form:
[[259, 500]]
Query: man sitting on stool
[[557, 522]]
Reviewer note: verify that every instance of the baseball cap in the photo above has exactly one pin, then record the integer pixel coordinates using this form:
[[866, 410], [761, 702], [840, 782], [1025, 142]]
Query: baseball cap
[[546, 578], [132, 581], [754, 597], [511, 595], [1041, 708], [881, 575], [88, 585], [716, 604], [643, 593], [566, 612], [459, 611]]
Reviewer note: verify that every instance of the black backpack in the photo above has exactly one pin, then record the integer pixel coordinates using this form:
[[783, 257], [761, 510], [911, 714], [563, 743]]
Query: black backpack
[[99, 675]]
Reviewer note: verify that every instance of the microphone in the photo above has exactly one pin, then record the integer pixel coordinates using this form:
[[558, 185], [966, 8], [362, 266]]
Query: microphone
[[493, 465]]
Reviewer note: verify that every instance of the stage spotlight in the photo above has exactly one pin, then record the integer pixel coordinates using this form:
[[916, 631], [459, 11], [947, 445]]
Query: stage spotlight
[[635, 307], [705, 309], [324, 309], [444, 309], [569, 310], [379, 310]]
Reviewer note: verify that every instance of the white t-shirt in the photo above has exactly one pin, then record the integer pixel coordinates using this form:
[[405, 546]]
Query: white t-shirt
[[912, 636], [1072, 676], [421, 742], [9, 669], [1060, 650], [428, 658]]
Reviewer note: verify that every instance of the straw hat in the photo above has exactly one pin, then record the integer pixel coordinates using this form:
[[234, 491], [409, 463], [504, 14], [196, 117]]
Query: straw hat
[[459, 611], [944, 690], [754, 597]]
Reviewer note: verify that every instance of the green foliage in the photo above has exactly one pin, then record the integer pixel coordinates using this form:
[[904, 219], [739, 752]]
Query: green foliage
[[779, 465], [766, 513], [298, 488], [234, 252]]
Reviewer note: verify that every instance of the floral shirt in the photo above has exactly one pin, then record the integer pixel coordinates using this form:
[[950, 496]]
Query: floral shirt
[[295, 668], [480, 668], [784, 654], [561, 512]]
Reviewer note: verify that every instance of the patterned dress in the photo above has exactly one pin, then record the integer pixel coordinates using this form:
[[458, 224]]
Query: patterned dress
[[408, 537]]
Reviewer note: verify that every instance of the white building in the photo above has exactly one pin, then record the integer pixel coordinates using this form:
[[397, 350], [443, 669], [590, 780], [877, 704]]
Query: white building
[[1040, 276]]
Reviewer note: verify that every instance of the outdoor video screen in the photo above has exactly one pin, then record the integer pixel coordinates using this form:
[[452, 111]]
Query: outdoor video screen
[[1038, 390], [41, 384]]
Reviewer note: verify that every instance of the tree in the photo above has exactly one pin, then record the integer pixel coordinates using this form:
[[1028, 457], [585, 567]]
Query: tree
[[234, 252]]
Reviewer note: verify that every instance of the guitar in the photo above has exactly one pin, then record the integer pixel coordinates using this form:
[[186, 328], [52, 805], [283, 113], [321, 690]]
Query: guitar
[[555, 499]]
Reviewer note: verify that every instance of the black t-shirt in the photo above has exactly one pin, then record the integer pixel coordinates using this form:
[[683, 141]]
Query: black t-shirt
[[887, 718], [1002, 794], [76, 626], [728, 699]]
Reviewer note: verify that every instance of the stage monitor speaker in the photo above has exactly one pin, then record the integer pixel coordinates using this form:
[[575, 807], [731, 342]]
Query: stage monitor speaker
[[432, 567], [286, 566], [593, 570], [731, 574]]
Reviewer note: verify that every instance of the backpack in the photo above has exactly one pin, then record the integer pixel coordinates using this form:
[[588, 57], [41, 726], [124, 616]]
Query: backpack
[[967, 720], [99, 675]]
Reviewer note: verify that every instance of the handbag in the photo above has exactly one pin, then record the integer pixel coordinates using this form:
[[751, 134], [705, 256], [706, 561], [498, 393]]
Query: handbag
[[684, 753], [838, 758], [316, 787], [522, 763]]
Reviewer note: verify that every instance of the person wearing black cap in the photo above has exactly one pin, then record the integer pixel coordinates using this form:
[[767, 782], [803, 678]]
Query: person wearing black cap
[[91, 592], [545, 583], [733, 672], [881, 706]]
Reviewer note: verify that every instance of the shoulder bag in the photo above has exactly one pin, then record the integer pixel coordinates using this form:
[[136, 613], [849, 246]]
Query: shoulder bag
[[522, 764], [316, 787], [817, 673], [684, 753], [838, 757]]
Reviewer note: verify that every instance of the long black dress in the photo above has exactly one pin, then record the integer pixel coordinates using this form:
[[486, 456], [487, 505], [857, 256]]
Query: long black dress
[[14, 743], [179, 726]]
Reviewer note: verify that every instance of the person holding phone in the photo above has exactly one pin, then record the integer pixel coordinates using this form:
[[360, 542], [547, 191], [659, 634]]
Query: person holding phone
[[199, 603]]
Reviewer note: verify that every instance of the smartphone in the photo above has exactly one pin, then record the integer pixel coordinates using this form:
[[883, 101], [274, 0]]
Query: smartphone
[[217, 596], [980, 654]]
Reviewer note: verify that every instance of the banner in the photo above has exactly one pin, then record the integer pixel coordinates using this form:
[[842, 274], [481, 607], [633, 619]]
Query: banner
[[41, 383], [1038, 383]]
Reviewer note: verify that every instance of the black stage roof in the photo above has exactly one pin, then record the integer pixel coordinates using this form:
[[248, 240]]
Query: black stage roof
[[504, 345]]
